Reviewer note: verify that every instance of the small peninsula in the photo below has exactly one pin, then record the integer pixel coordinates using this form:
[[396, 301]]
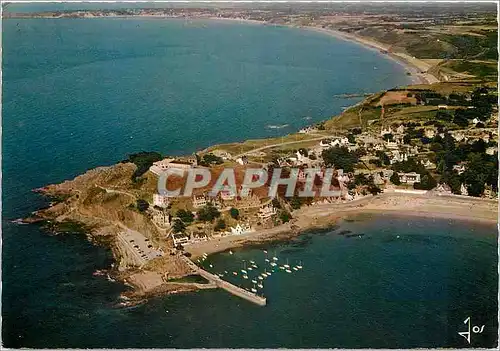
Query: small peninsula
[[427, 149]]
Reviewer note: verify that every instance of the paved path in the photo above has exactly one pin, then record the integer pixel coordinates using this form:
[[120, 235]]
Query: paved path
[[285, 143]]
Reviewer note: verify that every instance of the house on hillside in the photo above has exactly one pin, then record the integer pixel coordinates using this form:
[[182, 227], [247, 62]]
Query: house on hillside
[[241, 229], [161, 200], [178, 163], [409, 178], [161, 217], [385, 131], [267, 211], [463, 190], [443, 188], [199, 201], [243, 160]]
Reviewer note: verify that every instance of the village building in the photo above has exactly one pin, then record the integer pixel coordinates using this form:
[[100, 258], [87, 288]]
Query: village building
[[307, 130], [387, 174], [476, 121], [247, 202], [429, 133], [222, 154], [199, 201], [385, 131], [443, 188], [460, 168], [488, 192], [398, 157], [184, 163], [463, 190], [161, 200], [267, 211], [324, 143], [391, 144], [458, 136], [180, 239], [409, 178], [428, 164], [241, 229], [227, 195], [377, 179], [400, 129], [161, 217], [243, 160], [491, 150]]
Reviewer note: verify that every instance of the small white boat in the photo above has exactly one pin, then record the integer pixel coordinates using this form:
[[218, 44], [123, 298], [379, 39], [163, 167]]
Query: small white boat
[[235, 273], [252, 262], [260, 277], [273, 264], [245, 276], [275, 258], [295, 269], [230, 252], [269, 273], [254, 281], [243, 271], [255, 266], [260, 285], [250, 268], [286, 265], [225, 272], [282, 267], [254, 290], [211, 266], [220, 275], [265, 251], [288, 271], [267, 260]]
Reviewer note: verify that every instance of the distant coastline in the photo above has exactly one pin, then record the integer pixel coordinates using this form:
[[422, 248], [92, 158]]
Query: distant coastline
[[411, 64]]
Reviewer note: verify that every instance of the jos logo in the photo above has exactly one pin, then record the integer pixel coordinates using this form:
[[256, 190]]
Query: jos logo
[[475, 329]]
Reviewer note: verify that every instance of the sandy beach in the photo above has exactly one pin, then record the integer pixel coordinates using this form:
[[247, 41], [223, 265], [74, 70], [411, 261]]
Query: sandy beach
[[326, 215]]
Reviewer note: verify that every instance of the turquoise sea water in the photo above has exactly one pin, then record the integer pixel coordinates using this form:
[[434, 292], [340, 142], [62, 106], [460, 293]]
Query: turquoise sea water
[[84, 93]]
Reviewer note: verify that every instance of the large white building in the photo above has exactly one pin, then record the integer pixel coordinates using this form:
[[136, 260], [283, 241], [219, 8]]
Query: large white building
[[409, 178], [161, 200], [160, 166]]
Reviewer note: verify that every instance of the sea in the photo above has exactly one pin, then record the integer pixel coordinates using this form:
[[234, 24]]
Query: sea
[[82, 93]]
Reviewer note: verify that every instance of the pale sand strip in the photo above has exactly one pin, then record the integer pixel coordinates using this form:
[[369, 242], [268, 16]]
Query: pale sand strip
[[320, 216]]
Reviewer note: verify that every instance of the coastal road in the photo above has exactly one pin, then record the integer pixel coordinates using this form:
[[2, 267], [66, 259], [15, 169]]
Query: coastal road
[[286, 143]]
